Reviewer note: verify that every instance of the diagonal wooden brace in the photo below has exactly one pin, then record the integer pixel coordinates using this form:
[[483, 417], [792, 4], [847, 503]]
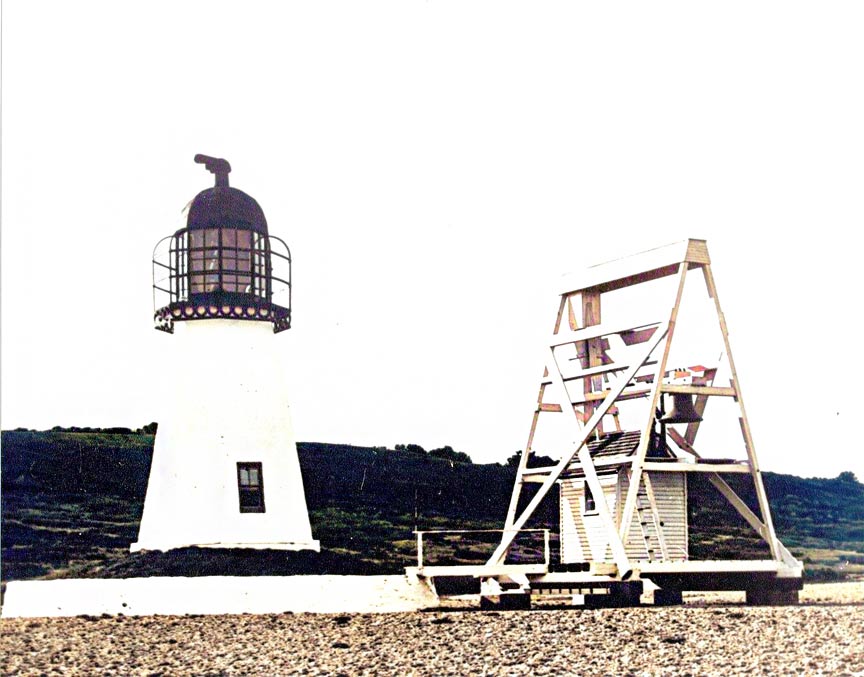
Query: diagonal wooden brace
[[585, 458]]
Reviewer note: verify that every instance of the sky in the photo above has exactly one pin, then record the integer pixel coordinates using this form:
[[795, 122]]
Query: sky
[[436, 168]]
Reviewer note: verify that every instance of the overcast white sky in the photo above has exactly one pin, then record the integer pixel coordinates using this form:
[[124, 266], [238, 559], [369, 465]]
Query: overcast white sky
[[435, 167]]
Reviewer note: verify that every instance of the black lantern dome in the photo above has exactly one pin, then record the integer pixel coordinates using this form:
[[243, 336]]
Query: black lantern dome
[[223, 264], [222, 206]]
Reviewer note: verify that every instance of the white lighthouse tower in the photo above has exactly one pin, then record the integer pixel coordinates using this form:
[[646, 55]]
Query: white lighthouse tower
[[225, 471]]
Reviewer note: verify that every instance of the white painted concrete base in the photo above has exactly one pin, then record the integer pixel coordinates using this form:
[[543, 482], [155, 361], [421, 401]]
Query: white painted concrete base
[[216, 595]]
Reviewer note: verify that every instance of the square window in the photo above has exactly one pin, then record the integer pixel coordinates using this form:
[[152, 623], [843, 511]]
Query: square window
[[250, 486]]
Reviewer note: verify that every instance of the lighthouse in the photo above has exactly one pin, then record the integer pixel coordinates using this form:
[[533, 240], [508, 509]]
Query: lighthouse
[[225, 472]]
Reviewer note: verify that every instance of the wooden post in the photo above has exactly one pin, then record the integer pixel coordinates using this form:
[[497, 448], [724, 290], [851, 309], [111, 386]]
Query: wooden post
[[546, 555], [656, 394], [761, 496], [593, 351]]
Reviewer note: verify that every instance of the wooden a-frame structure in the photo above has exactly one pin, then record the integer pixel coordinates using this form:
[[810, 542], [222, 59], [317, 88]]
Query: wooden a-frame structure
[[593, 369]]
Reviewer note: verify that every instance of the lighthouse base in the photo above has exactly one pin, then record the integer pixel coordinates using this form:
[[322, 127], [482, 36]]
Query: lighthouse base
[[225, 471]]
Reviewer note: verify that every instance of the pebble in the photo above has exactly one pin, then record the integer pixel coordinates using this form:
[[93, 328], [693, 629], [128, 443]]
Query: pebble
[[824, 635]]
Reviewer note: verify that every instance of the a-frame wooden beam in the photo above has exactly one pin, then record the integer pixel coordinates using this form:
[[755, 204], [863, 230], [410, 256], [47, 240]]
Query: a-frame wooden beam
[[598, 397], [756, 474], [656, 394], [584, 458], [565, 303]]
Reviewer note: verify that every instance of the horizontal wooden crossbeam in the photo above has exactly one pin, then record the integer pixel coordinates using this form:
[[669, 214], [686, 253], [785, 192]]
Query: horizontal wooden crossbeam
[[698, 390], [566, 335], [644, 267], [664, 466]]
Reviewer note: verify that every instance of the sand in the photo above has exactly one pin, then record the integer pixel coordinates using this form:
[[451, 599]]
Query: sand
[[710, 635]]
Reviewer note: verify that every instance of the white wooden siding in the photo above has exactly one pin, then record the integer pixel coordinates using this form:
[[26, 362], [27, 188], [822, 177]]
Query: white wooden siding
[[583, 537], [671, 495]]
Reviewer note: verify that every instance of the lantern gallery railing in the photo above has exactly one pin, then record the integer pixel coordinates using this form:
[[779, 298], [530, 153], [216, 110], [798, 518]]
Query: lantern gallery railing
[[221, 272]]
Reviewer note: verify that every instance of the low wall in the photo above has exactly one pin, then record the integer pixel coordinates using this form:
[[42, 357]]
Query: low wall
[[216, 595]]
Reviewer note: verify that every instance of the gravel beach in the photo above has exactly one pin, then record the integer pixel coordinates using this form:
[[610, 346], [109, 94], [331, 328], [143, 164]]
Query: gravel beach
[[710, 635]]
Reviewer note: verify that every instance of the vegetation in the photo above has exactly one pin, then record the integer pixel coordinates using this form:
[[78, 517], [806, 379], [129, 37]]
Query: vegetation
[[821, 521], [72, 499]]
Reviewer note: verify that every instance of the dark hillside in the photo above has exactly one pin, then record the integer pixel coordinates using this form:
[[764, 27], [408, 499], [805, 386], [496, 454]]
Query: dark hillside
[[820, 520], [99, 463], [71, 502], [402, 482]]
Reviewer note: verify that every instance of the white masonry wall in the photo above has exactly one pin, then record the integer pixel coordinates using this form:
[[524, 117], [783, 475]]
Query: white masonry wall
[[217, 595], [226, 400]]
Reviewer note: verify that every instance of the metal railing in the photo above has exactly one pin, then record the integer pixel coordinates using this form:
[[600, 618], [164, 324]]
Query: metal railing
[[421, 536], [268, 274]]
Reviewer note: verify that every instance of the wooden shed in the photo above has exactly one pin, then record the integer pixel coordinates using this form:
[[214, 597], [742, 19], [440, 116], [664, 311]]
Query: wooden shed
[[654, 535]]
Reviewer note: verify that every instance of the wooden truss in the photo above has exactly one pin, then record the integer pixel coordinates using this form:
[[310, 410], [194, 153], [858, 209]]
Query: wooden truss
[[582, 383]]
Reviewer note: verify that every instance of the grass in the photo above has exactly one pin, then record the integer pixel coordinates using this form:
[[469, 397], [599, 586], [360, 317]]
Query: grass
[[71, 503], [830, 564]]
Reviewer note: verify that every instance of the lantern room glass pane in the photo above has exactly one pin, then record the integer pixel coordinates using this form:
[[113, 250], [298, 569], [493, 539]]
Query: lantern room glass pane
[[236, 256], [220, 254]]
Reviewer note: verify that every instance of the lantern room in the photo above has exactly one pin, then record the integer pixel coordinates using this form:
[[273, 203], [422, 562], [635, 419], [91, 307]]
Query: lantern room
[[224, 263]]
